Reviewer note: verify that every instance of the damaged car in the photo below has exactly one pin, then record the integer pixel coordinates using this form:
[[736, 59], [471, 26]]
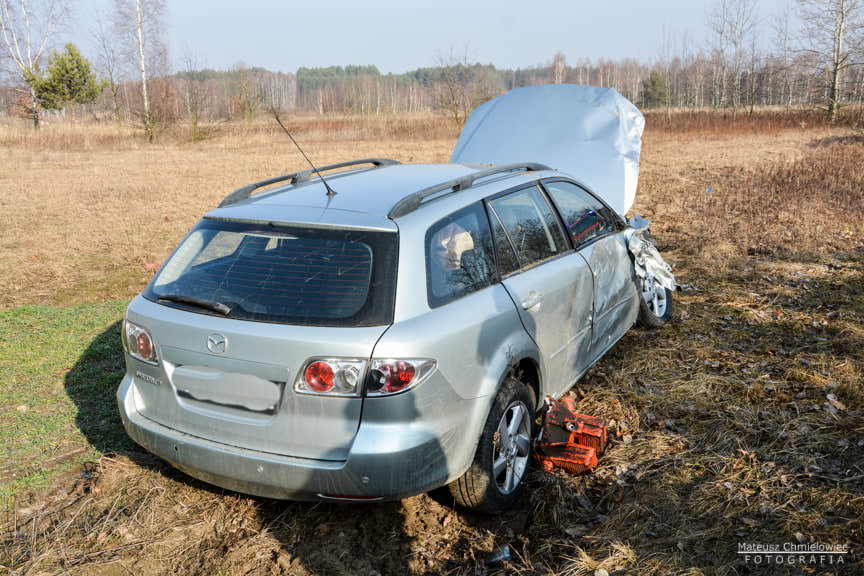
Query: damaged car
[[372, 330]]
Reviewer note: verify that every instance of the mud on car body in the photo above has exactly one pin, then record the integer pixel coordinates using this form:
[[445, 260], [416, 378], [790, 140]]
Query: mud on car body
[[371, 330]]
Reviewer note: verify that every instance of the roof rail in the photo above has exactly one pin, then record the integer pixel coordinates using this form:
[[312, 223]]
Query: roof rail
[[299, 177], [413, 201]]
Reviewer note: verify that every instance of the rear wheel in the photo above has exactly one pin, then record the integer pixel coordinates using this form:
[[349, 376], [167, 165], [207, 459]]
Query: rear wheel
[[655, 303], [496, 477]]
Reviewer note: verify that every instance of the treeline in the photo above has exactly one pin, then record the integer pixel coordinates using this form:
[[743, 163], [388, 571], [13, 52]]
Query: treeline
[[697, 81]]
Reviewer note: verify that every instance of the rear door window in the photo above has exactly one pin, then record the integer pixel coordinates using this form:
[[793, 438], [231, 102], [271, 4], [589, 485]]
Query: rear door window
[[287, 275], [459, 257], [527, 230]]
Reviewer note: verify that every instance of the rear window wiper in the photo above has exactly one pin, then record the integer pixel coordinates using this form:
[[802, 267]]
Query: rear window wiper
[[219, 307]]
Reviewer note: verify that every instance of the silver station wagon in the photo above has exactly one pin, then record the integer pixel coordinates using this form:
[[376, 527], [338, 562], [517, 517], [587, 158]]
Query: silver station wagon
[[372, 330]]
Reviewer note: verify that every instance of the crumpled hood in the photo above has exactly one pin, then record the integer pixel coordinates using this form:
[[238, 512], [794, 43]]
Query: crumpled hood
[[593, 134]]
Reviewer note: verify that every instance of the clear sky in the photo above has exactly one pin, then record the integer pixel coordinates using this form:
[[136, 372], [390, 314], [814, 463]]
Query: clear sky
[[401, 35]]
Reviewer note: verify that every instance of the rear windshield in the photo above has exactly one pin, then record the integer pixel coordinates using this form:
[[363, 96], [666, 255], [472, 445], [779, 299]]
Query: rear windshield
[[280, 274]]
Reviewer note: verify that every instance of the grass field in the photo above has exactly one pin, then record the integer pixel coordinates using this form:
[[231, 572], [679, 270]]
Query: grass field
[[740, 423]]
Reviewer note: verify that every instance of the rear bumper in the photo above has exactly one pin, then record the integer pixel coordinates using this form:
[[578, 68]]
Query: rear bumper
[[380, 466]]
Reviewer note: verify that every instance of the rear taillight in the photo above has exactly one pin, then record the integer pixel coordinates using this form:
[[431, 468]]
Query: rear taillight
[[320, 376], [394, 376], [331, 376], [139, 343], [344, 376]]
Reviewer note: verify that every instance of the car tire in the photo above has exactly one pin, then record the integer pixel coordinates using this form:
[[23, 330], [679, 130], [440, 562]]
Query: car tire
[[496, 477], [655, 303]]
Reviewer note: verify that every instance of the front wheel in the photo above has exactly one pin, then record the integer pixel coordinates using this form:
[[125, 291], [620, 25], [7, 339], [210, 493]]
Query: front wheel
[[655, 303], [496, 476]]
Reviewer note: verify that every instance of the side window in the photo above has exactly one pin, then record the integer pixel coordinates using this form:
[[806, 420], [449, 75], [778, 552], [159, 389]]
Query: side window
[[508, 262], [458, 256], [586, 217], [530, 227]]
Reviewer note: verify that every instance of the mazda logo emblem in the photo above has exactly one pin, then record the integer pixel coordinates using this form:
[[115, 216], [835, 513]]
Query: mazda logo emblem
[[217, 343]]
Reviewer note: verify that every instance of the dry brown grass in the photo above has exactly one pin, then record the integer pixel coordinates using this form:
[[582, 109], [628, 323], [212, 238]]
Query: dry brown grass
[[741, 422], [89, 211], [769, 120]]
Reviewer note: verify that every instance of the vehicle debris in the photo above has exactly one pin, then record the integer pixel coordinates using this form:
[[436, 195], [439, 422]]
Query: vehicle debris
[[646, 258], [569, 440]]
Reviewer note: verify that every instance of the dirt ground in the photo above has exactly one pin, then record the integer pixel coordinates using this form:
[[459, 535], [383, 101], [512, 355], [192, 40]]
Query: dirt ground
[[722, 426]]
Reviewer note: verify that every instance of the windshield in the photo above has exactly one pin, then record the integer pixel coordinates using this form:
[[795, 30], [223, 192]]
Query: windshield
[[281, 274]]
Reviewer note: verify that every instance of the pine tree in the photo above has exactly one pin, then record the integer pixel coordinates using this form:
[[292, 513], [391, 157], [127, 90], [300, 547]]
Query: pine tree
[[69, 81], [655, 91]]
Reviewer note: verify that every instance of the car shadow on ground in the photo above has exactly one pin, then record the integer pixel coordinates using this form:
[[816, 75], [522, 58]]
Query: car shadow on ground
[[92, 384]]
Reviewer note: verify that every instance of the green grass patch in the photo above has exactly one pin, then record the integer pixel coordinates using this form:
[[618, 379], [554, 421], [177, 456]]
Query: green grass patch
[[59, 370]]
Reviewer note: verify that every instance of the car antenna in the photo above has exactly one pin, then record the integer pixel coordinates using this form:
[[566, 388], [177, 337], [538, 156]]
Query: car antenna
[[330, 191]]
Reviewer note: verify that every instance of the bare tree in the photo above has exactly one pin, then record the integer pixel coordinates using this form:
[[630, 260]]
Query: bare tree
[[742, 26], [781, 63], [140, 26], [717, 49], [194, 93], [668, 83], [830, 28], [109, 64], [277, 90], [733, 22], [244, 88], [755, 80], [461, 86], [27, 30], [694, 73]]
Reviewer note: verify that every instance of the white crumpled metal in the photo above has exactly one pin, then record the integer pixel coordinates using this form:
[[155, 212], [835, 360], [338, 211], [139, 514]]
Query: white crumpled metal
[[646, 258], [593, 134]]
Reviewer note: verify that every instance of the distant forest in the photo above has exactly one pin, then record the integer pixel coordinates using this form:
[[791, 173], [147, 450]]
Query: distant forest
[[821, 65], [454, 89], [747, 63]]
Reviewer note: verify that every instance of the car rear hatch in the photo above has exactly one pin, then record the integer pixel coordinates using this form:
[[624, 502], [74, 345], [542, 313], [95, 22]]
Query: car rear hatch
[[237, 314]]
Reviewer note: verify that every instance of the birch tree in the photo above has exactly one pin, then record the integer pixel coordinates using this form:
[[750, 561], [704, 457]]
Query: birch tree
[[28, 27], [140, 25], [559, 68], [831, 32]]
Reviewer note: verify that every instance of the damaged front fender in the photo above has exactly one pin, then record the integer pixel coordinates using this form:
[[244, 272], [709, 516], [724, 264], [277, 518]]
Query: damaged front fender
[[647, 260]]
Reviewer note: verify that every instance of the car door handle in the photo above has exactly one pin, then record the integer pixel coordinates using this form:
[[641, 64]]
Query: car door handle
[[534, 298]]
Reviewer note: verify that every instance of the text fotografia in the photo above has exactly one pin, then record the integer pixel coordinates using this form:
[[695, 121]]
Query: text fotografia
[[792, 553]]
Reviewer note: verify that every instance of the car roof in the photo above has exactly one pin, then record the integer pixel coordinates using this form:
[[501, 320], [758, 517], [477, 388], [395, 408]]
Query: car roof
[[365, 198], [371, 190], [593, 134]]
